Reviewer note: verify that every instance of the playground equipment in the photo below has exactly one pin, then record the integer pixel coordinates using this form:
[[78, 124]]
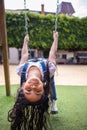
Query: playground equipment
[[3, 41]]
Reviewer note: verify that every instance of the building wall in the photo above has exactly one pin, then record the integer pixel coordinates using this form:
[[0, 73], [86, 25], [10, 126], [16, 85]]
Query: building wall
[[67, 53], [15, 54], [62, 57]]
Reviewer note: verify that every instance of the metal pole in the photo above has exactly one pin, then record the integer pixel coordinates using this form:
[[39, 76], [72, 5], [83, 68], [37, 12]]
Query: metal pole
[[3, 40], [26, 23], [56, 21]]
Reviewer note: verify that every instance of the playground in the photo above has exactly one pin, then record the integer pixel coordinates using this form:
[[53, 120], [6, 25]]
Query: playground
[[65, 75], [37, 99]]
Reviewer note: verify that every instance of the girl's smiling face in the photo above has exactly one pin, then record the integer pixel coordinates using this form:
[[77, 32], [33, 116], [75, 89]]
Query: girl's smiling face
[[33, 89]]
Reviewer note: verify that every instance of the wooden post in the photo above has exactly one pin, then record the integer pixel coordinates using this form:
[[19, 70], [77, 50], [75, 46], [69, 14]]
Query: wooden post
[[3, 40]]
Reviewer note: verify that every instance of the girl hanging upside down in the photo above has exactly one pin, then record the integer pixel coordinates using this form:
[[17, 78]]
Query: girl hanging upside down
[[36, 92]]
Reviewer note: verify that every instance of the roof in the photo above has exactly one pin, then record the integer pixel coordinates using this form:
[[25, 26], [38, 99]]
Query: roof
[[32, 11], [66, 7]]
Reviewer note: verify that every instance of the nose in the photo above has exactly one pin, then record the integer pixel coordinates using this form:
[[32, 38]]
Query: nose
[[33, 86]]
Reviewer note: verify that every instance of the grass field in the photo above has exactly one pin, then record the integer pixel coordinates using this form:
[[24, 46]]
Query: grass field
[[72, 105]]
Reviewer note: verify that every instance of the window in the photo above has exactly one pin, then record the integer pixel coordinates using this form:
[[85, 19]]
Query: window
[[64, 56]]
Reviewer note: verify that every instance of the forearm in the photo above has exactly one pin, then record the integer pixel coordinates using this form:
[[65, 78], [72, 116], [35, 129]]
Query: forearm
[[54, 47], [53, 50], [24, 53], [24, 49]]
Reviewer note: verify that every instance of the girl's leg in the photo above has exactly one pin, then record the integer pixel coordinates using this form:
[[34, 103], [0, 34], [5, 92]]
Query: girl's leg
[[54, 109], [53, 86]]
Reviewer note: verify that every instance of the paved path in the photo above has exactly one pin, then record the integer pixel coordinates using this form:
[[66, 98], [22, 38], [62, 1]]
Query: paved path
[[65, 75], [71, 75]]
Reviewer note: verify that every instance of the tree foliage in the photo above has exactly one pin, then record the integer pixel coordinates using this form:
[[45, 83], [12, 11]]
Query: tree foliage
[[72, 31]]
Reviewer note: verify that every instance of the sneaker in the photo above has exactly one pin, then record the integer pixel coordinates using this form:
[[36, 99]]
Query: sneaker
[[54, 109]]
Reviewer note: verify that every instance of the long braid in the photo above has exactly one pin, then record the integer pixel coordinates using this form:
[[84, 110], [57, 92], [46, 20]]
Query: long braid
[[47, 79]]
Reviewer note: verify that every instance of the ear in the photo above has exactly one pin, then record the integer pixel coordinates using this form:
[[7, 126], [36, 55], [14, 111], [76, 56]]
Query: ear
[[44, 84]]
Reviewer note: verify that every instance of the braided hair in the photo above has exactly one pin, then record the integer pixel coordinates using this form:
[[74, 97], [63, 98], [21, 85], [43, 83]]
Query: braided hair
[[31, 116]]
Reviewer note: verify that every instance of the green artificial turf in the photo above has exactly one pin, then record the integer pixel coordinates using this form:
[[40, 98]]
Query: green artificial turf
[[72, 105], [6, 103]]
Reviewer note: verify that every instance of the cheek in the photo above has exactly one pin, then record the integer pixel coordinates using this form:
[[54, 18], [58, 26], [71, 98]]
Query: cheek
[[42, 86], [25, 85]]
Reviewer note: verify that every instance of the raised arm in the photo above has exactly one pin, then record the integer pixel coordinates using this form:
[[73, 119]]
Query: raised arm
[[53, 50], [24, 53]]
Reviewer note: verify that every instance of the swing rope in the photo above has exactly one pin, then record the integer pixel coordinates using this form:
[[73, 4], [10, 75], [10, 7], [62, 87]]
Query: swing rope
[[56, 20], [26, 23]]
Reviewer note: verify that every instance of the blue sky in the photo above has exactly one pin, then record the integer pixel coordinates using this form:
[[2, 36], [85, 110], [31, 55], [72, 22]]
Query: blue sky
[[80, 6]]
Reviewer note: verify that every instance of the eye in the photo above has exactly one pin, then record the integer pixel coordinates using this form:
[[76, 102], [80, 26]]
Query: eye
[[38, 92], [29, 82], [28, 91]]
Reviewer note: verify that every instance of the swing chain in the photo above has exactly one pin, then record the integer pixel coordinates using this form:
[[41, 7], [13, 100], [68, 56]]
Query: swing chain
[[56, 21], [26, 23]]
